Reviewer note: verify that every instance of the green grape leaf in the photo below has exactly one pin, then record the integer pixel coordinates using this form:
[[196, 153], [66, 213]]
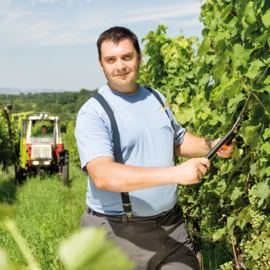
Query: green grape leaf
[[230, 222], [254, 68], [181, 97], [236, 193], [183, 116], [222, 35], [204, 79], [241, 53], [248, 130], [266, 19], [253, 168], [204, 47], [249, 12], [219, 233], [260, 190], [256, 249], [266, 147], [226, 11], [266, 134], [218, 71], [233, 88]]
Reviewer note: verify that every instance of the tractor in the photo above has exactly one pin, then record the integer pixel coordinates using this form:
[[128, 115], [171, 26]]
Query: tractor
[[42, 153]]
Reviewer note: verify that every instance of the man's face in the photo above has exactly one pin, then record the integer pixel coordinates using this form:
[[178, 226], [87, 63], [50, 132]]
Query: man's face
[[44, 130], [120, 64]]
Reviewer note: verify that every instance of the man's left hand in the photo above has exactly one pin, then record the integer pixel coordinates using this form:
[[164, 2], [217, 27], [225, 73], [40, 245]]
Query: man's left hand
[[224, 153]]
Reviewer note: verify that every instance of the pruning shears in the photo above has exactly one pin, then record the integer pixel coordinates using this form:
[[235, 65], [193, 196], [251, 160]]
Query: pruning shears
[[227, 139]]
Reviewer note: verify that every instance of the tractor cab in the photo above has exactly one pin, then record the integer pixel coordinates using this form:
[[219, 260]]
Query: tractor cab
[[41, 147]]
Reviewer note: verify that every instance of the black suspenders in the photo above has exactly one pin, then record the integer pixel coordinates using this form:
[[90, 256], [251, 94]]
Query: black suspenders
[[117, 143], [117, 148]]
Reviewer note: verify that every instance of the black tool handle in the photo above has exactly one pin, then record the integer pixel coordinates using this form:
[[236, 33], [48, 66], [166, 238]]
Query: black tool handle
[[229, 141], [226, 138]]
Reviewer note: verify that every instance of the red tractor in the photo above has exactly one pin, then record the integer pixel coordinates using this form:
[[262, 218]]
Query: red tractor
[[41, 148]]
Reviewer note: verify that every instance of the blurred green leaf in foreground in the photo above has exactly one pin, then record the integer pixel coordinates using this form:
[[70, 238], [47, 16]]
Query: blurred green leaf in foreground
[[89, 250]]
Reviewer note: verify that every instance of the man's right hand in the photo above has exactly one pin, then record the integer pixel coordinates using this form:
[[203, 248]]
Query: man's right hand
[[192, 171]]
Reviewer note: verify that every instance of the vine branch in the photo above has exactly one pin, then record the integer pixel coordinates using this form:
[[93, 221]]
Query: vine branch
[[234, 252]]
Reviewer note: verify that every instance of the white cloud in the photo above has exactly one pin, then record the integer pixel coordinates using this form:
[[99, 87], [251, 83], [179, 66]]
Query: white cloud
[[145, 14], [69, 26], [4, 3], [44, 1]]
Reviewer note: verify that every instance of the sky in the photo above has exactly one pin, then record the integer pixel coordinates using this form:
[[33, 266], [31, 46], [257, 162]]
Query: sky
[[51, 44]]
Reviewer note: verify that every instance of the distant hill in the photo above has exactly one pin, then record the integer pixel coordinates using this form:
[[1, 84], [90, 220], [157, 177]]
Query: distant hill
[[17, 91]]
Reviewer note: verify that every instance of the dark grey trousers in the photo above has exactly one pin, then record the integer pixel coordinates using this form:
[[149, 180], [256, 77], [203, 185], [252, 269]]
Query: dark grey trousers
[[159, 242]]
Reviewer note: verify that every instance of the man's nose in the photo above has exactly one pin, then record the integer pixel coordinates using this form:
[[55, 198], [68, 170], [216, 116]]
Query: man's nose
[[120, 64]]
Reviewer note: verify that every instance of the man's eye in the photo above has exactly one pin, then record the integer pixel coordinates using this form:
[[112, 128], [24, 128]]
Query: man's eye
[[128, 57]]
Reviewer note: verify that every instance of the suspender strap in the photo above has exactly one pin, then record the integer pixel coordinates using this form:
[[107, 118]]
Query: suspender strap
[[157, 96], [116, 136], [161, 102], [117, 148]]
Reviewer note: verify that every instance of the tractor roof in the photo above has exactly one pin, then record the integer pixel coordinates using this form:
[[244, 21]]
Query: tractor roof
[[43, 117]]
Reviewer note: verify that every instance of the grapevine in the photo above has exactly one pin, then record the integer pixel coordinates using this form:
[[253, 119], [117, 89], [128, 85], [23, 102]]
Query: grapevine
[[233, 57]]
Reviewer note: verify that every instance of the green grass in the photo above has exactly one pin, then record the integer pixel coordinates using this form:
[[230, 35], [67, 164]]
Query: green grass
[[7, 190], [46, 213]]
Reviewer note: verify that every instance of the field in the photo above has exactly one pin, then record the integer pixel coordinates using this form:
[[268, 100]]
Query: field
[[46, 213]]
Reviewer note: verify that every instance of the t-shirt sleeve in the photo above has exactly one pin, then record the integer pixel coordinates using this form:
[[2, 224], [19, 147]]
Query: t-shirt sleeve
[[179, 131], [93, 134]]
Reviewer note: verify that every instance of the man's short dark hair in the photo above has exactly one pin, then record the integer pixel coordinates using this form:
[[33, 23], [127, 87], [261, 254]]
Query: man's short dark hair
[[117, 34], [43, 127]]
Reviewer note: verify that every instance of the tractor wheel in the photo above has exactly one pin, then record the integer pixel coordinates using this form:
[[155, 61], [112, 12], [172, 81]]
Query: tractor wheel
[[65, 167], [20, 175]]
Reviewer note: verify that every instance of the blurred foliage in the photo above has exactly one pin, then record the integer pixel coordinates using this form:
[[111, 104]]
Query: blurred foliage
[[5, 140], [70, 143]]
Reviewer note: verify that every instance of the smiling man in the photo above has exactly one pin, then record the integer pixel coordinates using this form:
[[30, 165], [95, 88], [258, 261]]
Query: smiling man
[[132, 178]]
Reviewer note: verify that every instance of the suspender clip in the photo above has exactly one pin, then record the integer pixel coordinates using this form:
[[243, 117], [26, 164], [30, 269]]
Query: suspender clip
[[128, 209]]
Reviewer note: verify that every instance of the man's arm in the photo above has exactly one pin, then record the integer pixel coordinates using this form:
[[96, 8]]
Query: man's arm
[[194, 146], [109, 175]]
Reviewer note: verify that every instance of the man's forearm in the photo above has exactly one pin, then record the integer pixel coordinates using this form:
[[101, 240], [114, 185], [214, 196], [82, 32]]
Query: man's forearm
[[192, 146], [116, 177]]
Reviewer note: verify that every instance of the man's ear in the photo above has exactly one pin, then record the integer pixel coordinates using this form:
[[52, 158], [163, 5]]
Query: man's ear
[[100, 64]]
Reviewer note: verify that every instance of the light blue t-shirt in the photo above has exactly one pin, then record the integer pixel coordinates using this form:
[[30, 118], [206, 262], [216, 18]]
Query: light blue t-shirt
[[147, 140]]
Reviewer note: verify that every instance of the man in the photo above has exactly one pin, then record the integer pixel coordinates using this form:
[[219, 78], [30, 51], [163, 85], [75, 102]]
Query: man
[[44, 132], [155, 235]]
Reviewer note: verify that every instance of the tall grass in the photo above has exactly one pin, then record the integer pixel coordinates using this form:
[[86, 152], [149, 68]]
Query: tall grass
[[46, 213]]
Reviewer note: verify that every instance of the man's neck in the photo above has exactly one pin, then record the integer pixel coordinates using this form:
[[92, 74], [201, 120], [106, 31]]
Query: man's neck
[[130, 91]]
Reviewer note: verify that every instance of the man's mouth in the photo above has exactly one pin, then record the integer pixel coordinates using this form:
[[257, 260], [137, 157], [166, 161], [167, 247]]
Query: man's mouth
[[122, 74]]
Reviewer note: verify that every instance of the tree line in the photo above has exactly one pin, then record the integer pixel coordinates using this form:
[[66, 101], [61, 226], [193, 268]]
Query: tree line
[[63, 104]]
